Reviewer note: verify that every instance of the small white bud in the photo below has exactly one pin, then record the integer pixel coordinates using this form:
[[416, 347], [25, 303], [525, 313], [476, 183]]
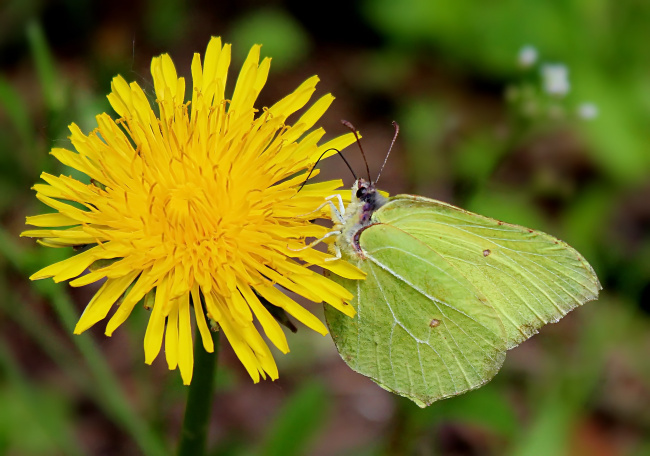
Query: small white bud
[[587, 111], [527, 56], [555, 79]]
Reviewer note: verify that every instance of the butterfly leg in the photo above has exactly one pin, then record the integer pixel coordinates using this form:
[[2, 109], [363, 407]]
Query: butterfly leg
[[317, 241], [340, 213], [337, 256], [337, 212]]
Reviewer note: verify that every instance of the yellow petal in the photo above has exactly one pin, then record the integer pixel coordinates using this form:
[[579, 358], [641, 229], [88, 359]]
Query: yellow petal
[[338, 143], [279, 299], [120, 96], [101, 303], [185, 350], [54, 219], [66, 269], [171, 337], [153, 337], [330, 292], [141, 287], [270, 325], [309, 118], [296, 100], [199, 313], [243, 96], [242, 349]]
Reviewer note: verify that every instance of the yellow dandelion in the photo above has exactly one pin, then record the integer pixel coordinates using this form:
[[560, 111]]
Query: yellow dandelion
[[196, 208]]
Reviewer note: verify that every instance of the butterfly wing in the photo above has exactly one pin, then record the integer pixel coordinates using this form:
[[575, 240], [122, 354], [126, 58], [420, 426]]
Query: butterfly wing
[[529, 277], [422, 329], [447, 292]]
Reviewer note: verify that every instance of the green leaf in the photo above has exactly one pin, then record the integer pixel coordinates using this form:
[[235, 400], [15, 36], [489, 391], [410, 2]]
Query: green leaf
[[549, 433], [34, 419], [53, 91], [297, 422], [15, 107]]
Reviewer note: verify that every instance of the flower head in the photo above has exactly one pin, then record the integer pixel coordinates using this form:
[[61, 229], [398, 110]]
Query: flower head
[[196, 208]]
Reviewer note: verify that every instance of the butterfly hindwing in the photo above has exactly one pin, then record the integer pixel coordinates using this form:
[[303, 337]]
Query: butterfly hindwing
[[422, 329]]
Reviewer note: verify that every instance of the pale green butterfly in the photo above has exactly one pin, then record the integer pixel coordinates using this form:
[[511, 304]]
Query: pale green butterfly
[[447, 291]]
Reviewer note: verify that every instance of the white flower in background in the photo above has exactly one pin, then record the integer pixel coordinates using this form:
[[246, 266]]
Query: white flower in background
[[527, 56], [555, 79], [587, 111]]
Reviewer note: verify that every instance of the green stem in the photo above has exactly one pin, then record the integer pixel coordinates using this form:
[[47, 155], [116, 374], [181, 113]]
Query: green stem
[[199, 399]]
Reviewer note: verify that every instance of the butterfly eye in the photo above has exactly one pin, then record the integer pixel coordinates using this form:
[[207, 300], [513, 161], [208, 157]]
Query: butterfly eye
[[361, 192]]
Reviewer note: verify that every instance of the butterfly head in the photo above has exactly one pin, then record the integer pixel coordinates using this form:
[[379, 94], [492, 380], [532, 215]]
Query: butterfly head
[[366, 195]]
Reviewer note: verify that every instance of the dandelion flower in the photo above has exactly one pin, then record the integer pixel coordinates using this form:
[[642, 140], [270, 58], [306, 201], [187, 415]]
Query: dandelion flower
[[196, 208]]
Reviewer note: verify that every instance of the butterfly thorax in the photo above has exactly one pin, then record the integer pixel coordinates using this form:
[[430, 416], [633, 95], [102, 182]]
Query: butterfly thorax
[[358, 215]]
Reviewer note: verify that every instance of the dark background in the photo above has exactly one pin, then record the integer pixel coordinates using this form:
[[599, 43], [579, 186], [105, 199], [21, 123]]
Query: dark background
[[477, 131]]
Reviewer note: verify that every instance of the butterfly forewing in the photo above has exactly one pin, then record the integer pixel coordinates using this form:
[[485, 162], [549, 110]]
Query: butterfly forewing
[[529, 277]]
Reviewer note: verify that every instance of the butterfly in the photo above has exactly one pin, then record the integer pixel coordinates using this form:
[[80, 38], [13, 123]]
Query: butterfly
[[447, 291]]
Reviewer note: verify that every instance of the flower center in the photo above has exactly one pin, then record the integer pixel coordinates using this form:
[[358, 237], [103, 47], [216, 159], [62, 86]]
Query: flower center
[[181, 207]]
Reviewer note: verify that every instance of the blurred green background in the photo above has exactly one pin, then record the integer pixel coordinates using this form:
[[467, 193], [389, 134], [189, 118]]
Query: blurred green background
[[477, 130]]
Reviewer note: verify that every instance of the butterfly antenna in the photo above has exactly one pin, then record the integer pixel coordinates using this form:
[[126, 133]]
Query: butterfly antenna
[[356, 135], [319, 159], [396, 125]]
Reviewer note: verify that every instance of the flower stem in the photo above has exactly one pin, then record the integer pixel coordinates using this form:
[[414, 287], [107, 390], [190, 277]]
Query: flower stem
[[199, 399]]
